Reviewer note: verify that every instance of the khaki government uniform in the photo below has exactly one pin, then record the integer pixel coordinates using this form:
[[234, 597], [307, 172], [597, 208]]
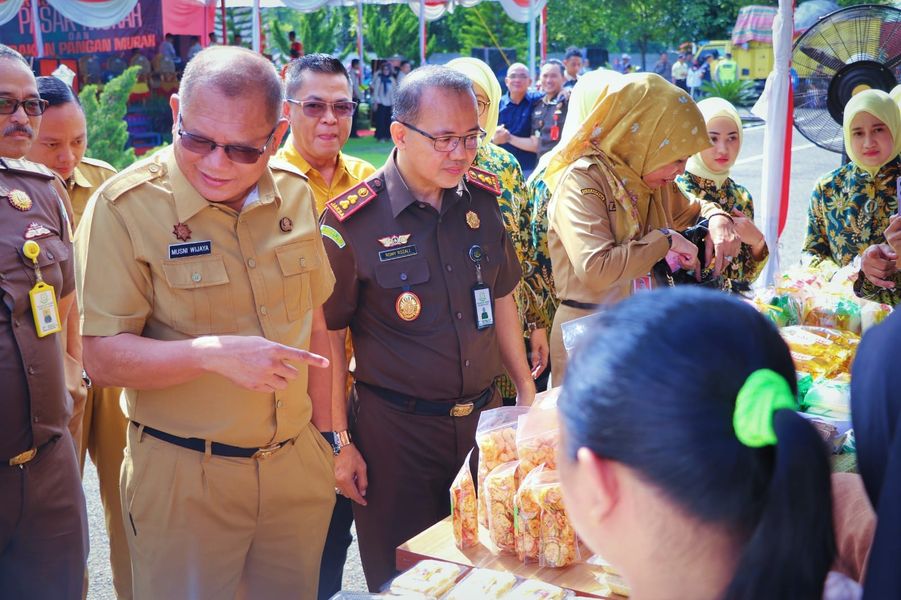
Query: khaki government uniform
[[99, 427], [43, 524], [349, 171], [416, 359], [592, 263], [201, 524]]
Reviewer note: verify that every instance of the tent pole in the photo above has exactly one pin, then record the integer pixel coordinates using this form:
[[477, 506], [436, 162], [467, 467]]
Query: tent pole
[[531, 38], [36, 28], [224, 40], [256, 25], [544, 34], [360, 33], [421, 32]]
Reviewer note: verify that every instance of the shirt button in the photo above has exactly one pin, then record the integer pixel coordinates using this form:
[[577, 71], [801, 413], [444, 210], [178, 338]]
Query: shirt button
[[459, 315], [422, 205], [2, 277], [16, 323], [448, 267], [279, 404], [50, 255], [303, 261], [264, 310], [251, 263], [36, 419], [31, 370], [403, 276], [153, 168], [466, 363], [196, 277]]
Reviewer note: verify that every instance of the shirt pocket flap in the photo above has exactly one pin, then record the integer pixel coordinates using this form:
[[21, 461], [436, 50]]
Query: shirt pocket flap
[[297, 258], [53, 250], [402, 273], [193, 273]]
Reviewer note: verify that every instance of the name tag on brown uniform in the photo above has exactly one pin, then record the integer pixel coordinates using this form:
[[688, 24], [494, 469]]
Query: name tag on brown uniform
[[395, 253]]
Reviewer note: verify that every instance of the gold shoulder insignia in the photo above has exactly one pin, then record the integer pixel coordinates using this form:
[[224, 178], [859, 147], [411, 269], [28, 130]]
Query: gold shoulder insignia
[[26, 167], [100, 164], [124, 181], [484, 179], [351, 201]]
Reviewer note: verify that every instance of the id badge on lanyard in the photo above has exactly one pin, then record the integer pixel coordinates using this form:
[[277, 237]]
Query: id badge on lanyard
[[42, 296], [481, 293]]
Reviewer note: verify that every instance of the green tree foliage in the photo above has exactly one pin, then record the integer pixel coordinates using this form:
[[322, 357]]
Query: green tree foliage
[[105, 116], [317, 31], [392, 29], [486, 24], [576, 23]]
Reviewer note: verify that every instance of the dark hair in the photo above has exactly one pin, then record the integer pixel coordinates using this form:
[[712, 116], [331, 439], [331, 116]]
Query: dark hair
[[404, 62], [234, 72], [728, 55], [314, 63], [558, 64], [56, 92], [653, 385], [409, 93], [8, 53], [292, 34], [570, 52], [354, 62]]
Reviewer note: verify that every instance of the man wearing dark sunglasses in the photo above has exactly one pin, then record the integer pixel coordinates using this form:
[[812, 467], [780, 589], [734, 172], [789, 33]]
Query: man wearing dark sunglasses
[[425, 275], [43, 524], [202, 275]]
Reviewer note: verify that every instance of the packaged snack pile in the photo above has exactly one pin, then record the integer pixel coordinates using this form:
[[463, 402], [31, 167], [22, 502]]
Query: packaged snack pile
[[821, 352], [500, 488], [558, 546], [464, 508], [430, 578], [496, 440]]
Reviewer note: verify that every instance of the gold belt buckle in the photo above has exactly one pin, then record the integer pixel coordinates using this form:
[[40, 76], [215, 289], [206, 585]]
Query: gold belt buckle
[[462, 410], [266, 452], [21, 459]]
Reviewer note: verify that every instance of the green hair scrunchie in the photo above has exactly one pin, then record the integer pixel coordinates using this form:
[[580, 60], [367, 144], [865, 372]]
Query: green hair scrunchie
[[763, 393]]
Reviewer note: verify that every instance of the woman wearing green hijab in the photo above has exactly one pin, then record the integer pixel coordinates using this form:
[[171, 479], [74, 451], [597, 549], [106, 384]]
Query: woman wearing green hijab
[[851, 208], [496, 160]]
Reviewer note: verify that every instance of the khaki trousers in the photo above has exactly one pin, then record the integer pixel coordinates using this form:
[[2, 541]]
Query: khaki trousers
[[559, 357], [203, 526], [103, 436]]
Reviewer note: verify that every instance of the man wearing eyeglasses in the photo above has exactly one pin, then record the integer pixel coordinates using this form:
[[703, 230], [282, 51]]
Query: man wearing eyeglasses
[[425, 274], [201, 276], [43, 524], [320, 108]]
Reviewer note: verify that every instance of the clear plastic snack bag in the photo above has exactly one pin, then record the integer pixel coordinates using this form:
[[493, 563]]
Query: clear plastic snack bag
[[559, 546], [496, 440], [500, 487], [527, 517], [464, 507]]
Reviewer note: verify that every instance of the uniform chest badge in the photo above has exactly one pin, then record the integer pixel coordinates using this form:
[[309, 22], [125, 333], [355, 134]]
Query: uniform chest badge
[[182, 232], [472, 220], [20, 200], [395, 240], [36, 230], [408, 306], [286, 224]]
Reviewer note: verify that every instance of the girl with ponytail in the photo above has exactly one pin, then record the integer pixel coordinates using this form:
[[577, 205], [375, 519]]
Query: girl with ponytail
[[684, 462]]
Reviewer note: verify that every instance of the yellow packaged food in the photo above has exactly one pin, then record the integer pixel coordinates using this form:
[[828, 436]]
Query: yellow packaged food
[[496, 440], [532, 589], [500, 487], [527, 517], [464, 508], [482, 584], [430, 578], [559, 546], [614, 585]]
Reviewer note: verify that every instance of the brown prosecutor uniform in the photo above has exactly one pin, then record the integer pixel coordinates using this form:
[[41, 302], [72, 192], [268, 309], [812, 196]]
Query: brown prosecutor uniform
[[43, 525], [100, 429], [404, 282], [157, 260], [547, 122]]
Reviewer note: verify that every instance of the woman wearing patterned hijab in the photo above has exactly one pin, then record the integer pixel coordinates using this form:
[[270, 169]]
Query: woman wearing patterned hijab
[[614, 199]]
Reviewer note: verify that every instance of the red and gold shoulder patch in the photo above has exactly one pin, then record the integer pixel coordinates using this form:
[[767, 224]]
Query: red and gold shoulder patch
[[351, 201], [484, 179]]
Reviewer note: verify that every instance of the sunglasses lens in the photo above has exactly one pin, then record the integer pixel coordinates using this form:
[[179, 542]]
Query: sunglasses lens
[[344, 109], [314, 109], [195, 144], [242, 154]]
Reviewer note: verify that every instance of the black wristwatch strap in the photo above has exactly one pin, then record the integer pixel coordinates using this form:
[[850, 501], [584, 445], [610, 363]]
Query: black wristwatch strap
[[669, 235]]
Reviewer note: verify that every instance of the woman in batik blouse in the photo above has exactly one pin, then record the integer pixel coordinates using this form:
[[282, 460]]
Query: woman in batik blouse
[[706, 177], [851, 207]]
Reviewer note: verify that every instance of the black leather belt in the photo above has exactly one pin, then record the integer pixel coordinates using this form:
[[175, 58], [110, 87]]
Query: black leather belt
[[216, 448], [455, 408], [581, 305]]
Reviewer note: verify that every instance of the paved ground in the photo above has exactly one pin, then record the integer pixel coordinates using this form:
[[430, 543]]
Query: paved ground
[[809, 163]]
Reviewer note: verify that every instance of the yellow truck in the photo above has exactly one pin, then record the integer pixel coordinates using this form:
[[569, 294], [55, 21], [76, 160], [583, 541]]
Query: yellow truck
[[751, 45]]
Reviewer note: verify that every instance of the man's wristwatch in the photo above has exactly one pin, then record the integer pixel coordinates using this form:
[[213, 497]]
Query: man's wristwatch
[[669, 235], [337, 440]]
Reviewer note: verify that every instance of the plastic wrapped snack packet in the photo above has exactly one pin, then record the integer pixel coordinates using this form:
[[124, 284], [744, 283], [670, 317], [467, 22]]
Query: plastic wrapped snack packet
[[482, 584], [496, 440], [532, 589], [464, 508], [500, 487], [527, 517], [430, 578], [536, 437], [559, 546]]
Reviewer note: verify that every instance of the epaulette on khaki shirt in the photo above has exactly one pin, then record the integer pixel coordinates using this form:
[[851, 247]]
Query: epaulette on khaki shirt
[[85, 179], [156, 259]]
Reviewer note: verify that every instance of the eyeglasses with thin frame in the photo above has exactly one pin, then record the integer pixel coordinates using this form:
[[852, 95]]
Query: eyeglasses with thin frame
[[34, 107], [449, 143], [483, 105], [240, 154], [316, 108]]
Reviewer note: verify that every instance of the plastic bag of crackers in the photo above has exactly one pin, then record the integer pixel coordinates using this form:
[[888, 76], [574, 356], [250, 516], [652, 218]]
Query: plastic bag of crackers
[[464, 507], [496, 440], [527, 515], [558, 546], [429, 578], [537, 434], [500, 487]]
